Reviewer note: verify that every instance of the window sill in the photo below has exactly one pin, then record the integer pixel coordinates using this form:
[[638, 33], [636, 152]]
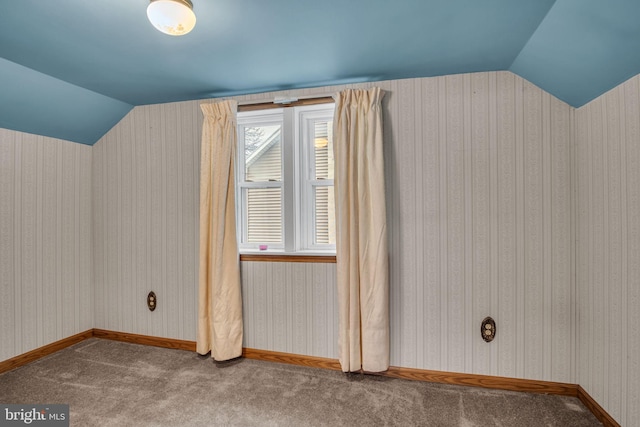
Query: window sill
[[275, 257]]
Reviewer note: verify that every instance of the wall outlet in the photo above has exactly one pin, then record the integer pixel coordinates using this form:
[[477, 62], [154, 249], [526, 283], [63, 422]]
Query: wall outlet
[[152, 301], [488, 329]]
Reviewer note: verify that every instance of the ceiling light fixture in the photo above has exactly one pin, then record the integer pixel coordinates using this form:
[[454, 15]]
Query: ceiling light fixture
[[173, 17]]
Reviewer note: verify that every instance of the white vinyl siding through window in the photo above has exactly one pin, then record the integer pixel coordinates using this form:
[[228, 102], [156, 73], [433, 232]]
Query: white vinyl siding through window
[[264, 164], [285, 180], [321, 183]]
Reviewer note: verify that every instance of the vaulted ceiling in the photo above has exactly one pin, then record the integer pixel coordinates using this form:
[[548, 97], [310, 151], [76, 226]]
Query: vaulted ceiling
[[71, 69]]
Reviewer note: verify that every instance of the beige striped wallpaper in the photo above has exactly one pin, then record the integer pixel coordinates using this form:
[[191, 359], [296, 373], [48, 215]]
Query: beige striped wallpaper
[[478, 175], [608, 250], [46, 291]]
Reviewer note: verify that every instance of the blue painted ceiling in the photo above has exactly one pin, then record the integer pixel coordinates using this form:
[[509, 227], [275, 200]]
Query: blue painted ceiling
[[71, 69]]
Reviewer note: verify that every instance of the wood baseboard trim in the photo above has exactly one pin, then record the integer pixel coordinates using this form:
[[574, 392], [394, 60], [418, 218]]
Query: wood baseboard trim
[[473, 380], [595, 408], [291, 359], [145, 340], [38, 353], [486, 381]]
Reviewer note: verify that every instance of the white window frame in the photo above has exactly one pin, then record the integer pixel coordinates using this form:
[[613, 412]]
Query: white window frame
[[306, 116], [298, 179], [256, 118]]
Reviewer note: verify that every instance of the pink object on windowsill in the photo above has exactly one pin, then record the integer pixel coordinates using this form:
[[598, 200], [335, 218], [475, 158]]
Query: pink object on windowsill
[[263, 247]]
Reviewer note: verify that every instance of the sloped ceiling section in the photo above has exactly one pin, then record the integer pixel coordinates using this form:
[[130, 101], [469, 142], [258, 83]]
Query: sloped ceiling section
[[71, 69], [36, 103], [583, 48]]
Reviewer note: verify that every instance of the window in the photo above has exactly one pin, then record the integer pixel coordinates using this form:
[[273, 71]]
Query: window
[[285, 199]]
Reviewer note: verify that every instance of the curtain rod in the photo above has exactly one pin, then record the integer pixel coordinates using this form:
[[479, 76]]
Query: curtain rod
[[299, 102]]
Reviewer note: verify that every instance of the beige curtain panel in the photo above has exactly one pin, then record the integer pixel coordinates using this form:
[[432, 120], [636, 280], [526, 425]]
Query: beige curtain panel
[[220, 300], [361, 232]]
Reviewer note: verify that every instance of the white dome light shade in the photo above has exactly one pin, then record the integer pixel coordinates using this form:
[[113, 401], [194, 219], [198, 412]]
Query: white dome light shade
[[173, 17]]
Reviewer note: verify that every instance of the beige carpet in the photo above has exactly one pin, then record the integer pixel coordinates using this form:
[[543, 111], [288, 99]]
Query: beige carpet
[[109, 383]]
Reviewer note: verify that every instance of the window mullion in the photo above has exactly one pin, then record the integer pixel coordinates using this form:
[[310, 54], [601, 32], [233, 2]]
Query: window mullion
[[307, 222], [241, 211], [289, 187]]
